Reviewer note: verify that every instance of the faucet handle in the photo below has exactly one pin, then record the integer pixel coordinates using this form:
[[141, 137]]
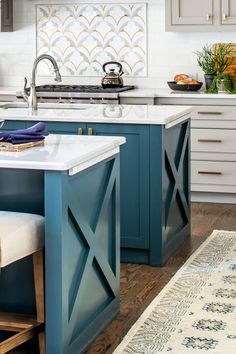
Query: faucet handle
[[25, 92], [25, 87]]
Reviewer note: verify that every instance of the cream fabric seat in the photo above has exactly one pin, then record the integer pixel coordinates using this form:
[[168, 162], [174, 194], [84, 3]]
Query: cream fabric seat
[[21, 234]]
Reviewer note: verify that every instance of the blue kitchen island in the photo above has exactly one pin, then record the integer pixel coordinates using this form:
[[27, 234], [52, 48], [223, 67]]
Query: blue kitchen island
[[74, 182], [154, 167]]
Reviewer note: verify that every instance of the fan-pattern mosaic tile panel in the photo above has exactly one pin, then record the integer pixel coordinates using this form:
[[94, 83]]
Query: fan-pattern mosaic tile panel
[[82, 37]]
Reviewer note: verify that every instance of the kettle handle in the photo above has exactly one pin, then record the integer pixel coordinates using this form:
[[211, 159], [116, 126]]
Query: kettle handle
[[114, 63]]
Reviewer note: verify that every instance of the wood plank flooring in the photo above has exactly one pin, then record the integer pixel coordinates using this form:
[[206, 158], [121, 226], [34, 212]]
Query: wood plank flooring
[[141, 283]]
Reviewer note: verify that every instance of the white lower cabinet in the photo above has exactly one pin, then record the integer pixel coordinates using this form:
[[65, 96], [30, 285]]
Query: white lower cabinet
[[213, 151]]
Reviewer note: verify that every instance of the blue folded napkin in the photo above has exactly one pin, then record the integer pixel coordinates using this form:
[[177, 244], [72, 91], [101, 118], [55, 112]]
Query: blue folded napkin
[[35, 133]]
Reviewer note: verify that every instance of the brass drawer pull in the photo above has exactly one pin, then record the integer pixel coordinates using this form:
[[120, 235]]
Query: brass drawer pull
[[211, 113], [224, 16], [209, 173], [209, 141], [80, 131], [90, 131], [208, 17]]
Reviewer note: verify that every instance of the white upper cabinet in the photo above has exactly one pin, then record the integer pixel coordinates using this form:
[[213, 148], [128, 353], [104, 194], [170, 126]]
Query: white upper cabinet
[[185, 12], [200, 15], [6, 15], [228, 12]]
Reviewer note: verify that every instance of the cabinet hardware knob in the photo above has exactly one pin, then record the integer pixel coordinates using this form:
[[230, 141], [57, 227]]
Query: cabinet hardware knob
[[208, 17], [90, 131], [80, 131], [209, 173], [210, 113], [209, 141], [224, 16]]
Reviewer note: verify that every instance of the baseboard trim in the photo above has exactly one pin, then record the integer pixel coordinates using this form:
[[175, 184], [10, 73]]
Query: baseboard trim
[[228, 198]]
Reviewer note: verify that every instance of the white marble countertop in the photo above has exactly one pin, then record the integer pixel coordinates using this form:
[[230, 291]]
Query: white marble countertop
[[122, 114], [63, 152], [9, 90]]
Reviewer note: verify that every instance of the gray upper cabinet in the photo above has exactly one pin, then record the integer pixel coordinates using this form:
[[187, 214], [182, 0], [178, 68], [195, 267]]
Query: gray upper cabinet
[[228, 12], [185, 13], [6, 15], [200, 15]]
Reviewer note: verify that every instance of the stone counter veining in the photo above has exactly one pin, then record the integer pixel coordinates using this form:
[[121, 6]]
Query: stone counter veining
[[121, 114]]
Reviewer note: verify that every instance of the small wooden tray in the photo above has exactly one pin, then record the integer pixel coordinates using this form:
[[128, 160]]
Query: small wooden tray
[[19, 147]]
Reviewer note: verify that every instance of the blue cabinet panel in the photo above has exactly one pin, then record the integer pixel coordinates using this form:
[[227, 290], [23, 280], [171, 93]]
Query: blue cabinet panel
[[82, 251], [134, 181], [13, 124], [62, 127], [170, 187]]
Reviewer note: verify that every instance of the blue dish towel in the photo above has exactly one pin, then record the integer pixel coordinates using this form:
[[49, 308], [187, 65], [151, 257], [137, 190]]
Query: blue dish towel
[[35, 133]]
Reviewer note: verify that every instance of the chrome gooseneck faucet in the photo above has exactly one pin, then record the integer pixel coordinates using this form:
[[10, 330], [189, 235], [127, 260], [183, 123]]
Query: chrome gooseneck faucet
[[31, 97]]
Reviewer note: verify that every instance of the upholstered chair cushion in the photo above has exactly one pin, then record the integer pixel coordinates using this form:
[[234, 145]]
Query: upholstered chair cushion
[[21, 234]]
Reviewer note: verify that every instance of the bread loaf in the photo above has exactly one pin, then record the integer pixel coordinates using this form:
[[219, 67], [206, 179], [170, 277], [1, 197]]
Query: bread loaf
[[187, 82], [179, 77]]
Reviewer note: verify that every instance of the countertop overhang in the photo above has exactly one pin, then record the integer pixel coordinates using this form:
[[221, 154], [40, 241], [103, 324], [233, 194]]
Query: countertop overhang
[[63, 153]]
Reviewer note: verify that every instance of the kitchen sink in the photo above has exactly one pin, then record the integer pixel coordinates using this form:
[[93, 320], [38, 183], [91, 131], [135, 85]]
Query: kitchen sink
[[41, 106]]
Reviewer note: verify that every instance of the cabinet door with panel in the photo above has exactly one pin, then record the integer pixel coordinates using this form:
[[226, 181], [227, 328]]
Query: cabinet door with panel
[[62, 127], [197, 15], [134, 171], [6, 7], [228, 12]]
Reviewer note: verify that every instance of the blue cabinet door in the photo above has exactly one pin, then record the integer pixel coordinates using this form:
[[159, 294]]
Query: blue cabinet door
[[62, 127], [134, 172], [13, 125]]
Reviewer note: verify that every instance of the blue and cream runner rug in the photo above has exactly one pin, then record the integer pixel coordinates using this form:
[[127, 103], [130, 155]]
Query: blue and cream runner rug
[[196, 311]]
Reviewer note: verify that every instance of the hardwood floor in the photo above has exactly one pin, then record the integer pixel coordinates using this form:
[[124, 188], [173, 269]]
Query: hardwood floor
[[141, 283]]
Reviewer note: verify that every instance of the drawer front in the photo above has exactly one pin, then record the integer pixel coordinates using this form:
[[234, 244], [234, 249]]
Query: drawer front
[[213, 140], [214, 117], [213, 173]]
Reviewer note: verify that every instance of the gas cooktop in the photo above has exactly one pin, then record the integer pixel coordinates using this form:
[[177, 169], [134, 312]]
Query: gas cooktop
[[81, 88]]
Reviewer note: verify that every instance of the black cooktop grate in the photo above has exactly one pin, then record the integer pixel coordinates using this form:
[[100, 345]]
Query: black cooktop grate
[[81, 88]]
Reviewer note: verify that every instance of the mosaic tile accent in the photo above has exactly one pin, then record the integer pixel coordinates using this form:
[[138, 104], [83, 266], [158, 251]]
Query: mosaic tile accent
[[82, 37]]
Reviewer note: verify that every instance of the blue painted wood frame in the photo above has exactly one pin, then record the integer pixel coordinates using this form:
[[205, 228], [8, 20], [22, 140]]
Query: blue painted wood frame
[[170, 216], [82, 251], [82, 255]]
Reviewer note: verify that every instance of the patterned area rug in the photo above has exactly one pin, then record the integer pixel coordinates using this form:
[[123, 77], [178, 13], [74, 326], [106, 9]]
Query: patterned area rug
[[196, 311]]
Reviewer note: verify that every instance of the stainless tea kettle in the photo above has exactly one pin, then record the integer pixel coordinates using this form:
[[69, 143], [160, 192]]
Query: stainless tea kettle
[[112, 78]]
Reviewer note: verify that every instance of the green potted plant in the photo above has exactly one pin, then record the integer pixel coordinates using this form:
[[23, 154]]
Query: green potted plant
[[223, 58], [206, 61]]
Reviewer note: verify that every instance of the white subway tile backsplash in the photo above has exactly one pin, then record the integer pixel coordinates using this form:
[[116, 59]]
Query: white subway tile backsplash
[[167, 53]]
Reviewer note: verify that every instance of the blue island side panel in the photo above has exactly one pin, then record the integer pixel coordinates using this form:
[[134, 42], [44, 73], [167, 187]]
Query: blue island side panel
[[82, 255], [170, 215]]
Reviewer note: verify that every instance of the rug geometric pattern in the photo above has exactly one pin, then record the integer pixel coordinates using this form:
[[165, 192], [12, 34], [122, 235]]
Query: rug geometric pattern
[[196, 311]]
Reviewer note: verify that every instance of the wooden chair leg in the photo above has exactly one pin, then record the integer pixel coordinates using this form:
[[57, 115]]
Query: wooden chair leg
[[39, 294]]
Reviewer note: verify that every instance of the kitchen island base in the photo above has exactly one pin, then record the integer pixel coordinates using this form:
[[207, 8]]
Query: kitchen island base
[[155, 175], [82, 250]]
